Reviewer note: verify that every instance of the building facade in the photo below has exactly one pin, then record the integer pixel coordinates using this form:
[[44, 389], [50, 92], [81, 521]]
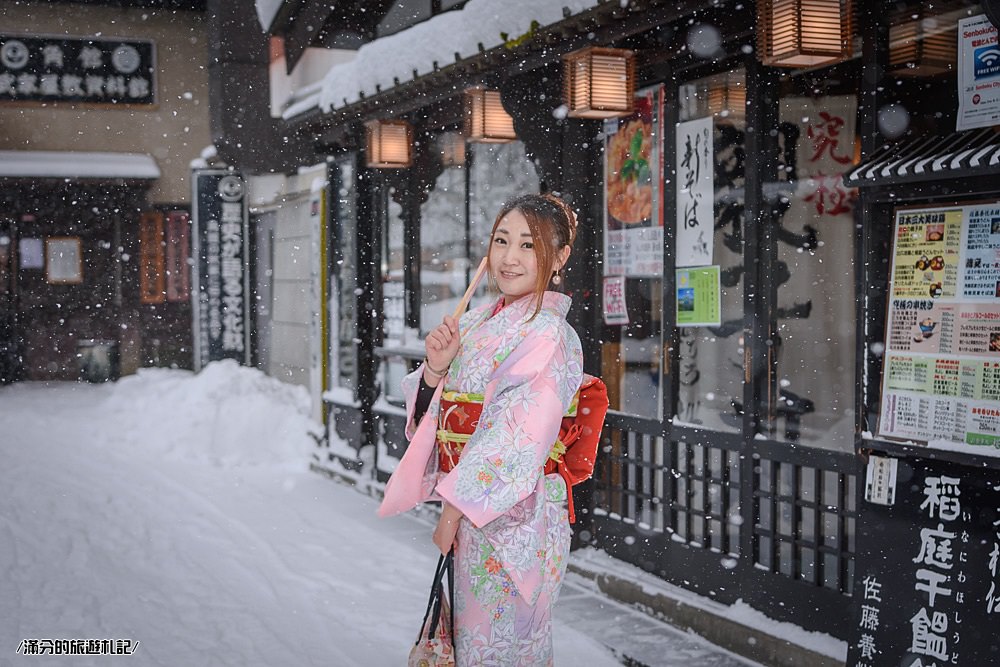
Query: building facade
[[103, 106], [739, 279]]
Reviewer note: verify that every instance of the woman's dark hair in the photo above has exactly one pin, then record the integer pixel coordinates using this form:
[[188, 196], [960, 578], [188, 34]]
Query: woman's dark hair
[[553, 227]]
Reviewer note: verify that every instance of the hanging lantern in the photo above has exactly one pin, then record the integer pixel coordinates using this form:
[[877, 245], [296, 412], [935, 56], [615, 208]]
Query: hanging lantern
[[451, 146], [921, 45], [599, 82], [804, 33], [727, 97], [389, 143], [485, 118]]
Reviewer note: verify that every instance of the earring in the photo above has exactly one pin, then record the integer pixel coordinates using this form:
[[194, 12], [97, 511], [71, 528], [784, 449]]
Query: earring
[[556, 278]]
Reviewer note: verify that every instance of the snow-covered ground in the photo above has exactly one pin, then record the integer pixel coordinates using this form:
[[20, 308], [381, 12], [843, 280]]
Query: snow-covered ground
[[177, 510]]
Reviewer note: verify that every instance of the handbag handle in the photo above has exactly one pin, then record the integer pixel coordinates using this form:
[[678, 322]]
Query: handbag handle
[[444, 566]]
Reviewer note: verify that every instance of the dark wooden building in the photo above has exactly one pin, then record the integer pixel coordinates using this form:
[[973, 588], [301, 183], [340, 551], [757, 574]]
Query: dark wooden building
[[732, 275]]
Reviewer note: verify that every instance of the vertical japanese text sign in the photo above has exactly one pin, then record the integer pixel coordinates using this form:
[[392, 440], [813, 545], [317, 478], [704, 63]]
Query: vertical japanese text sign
[[220, 298], [927, 576], [695, 193]]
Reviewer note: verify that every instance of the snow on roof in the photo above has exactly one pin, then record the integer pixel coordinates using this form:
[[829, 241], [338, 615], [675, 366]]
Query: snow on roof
[[72, 164], [266, 11], [438, 39]]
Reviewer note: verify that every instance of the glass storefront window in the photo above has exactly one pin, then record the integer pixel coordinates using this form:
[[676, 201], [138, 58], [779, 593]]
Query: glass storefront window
[[633, 224], [444, 260], [815, 228], [921, 95], [710, 371]]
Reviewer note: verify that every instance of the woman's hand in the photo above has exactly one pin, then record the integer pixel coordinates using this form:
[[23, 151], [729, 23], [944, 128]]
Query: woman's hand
[[445, 535], [441, 345]]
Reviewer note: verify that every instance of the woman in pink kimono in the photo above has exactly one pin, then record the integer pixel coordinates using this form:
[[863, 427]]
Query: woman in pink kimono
[[506, 519]]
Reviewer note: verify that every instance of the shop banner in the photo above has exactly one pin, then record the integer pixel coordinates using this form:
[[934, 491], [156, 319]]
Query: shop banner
[[152, 281], [927, 582], [633, 190], [615, 307], [220, 294], [39, 68], [978, 74], [941, 371], [698, 297], [695, 171]]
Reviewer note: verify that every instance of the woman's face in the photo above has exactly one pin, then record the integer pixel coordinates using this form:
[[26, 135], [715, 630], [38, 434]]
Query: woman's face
[[512, 257], [513, 261]]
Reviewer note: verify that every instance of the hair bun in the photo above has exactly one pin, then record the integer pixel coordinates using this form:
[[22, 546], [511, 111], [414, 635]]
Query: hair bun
[[567, 211]]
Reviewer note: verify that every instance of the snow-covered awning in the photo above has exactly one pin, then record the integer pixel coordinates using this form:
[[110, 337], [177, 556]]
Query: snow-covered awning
[[71, 164], [930, 158], [444, 39]]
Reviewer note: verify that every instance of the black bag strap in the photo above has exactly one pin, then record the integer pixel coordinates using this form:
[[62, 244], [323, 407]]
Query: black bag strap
[[451, 593], [434, 602]]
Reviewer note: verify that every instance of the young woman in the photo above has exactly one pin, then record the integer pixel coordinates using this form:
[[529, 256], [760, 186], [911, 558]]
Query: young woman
[[519, 362]]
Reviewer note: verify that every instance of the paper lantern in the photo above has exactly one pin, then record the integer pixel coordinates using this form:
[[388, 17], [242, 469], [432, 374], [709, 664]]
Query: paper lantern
[[485, 118], [599, 82], [727, 97], [804, 33], [922, 44], [389, 143]]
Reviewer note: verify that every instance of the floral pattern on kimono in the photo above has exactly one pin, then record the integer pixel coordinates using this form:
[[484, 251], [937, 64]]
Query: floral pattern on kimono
[[513, 540]]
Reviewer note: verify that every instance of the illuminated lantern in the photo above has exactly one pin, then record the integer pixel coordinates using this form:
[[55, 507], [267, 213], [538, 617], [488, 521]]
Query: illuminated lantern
[[922, 45], [804, 33], [599, 82], [389, 144], [485, 118], [727, 97]]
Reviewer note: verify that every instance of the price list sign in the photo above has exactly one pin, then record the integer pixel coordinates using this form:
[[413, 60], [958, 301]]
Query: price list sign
[[941, 371]]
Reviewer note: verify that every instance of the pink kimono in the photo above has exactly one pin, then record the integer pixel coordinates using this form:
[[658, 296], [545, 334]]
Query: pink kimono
[[513, 541]]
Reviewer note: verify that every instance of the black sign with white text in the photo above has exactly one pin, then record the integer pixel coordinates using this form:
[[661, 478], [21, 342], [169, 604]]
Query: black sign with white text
[[61, 69], [220, 298], [927, 580]]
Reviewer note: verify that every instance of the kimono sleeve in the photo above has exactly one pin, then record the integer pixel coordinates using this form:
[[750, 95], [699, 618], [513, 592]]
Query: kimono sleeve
[[411, 386], [525, 400]]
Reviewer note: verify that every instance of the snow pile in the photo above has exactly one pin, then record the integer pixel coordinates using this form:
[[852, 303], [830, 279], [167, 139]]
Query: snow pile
[[227, 415]]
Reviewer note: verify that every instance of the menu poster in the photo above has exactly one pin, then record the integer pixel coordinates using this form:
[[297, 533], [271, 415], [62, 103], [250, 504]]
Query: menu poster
[[927, 576], [941, 370], [633, 190]]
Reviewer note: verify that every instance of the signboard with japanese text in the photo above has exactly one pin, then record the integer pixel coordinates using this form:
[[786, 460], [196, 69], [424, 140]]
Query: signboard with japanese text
[[695, 170], [615, 305], [818, 141], [978, 74], [633, 190], [941, 366], [927, 582], [220, 294], [699, 301], [38, 68]]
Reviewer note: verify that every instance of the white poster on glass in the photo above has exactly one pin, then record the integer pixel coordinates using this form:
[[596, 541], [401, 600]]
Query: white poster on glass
[[978, 74], [695, 170]]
